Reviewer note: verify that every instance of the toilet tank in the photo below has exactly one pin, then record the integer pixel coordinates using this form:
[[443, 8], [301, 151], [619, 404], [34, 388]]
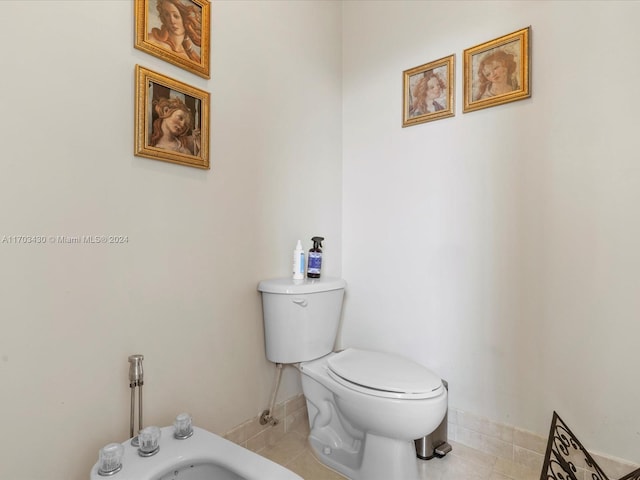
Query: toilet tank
[[301, 317]]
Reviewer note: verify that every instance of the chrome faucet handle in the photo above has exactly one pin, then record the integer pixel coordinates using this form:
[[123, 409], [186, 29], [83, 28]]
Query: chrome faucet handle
[[183, 427], [149, 439], [110, 459]]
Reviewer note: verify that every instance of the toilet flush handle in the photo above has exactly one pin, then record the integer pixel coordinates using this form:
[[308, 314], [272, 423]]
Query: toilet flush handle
[[300, 301]]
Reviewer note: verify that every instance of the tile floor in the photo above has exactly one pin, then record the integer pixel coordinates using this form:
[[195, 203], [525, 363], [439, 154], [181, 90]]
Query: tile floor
[[463, 463], [482, 449]]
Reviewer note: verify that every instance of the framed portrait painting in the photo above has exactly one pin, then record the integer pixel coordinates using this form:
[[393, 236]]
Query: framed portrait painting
[[497, 72], [427, 92], [177, 31], [172, 120]]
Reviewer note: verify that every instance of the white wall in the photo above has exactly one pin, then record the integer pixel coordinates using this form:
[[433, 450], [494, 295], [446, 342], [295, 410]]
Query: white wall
[[500, 247], [503, 241], [182, 291]]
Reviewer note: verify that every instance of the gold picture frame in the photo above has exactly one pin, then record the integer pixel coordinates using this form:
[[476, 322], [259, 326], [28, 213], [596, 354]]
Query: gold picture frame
[[172, 120], [498, 71], [427, 92], [185, 43]]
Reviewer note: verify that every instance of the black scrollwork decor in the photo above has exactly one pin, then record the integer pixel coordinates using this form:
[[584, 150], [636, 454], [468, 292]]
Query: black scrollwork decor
[[635, 475], [565, 453]]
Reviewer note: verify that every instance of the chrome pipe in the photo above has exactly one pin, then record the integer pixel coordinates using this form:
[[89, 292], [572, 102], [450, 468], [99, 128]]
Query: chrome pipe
[[140, 407], [267, 416], [133, 407]]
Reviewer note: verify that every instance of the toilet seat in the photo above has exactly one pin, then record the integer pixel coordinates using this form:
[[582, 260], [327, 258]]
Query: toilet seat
[[383, 375]]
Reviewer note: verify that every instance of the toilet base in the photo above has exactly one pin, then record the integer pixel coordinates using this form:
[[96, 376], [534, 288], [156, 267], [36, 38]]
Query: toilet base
[[382, 459]]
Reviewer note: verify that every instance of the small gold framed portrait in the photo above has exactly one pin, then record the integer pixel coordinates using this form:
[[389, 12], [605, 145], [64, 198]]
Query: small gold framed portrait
[[497, 72], [177, 31], [172, 120], [427, 92]]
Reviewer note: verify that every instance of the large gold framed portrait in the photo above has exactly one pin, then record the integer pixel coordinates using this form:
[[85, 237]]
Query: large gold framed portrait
[[172, 120], [497, 72], [177, 31], [427, 92]]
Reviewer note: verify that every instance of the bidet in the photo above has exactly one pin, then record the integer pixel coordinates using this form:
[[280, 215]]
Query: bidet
[[184, 452]]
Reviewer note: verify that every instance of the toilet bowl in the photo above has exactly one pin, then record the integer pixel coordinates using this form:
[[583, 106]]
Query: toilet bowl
[[365, 407], [363, 424]]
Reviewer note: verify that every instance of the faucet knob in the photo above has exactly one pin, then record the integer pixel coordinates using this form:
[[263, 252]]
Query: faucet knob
[[110, 459], [149, 439], [182, 426]]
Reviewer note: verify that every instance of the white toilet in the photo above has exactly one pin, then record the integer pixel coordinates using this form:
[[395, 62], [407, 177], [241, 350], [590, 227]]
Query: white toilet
[[365, 407]]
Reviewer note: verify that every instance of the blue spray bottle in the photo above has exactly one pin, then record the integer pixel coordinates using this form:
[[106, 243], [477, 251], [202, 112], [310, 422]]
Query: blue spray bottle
[[314, 263]]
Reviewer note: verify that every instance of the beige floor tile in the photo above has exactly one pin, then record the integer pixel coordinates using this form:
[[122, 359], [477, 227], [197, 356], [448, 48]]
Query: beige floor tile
[[483, 460], [515, 471], [453, 467], [309, 468], [290, 446], [499, 476], [463, 463]]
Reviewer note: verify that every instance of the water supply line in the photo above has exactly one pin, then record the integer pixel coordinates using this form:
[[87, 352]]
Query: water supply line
[[136, 380], [267, 415]]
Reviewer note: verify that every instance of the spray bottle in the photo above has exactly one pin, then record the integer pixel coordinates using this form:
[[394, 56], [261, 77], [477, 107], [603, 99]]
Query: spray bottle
[[298, 262], [315, 258]]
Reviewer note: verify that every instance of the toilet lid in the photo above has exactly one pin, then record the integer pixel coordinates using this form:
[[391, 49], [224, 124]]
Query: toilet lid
[[385, 372]]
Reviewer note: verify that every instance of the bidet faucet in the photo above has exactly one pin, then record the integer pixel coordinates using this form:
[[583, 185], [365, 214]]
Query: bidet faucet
[[136, 379], [136, 373]]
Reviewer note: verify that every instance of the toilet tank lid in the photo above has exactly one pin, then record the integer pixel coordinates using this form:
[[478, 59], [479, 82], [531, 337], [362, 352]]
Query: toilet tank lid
[[288, 286]]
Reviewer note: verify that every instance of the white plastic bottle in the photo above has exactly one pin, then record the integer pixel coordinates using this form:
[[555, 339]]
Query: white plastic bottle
[[298, 262]]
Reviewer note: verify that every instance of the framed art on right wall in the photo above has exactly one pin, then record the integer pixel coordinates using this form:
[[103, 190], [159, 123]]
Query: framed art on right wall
[[497, 71], [427, 92]]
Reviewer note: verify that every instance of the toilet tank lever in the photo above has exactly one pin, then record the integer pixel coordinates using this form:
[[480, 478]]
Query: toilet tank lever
[[300, 301]]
